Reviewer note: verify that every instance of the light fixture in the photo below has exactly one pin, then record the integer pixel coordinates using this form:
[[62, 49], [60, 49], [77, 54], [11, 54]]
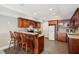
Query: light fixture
[[50, 9], [9, 23]]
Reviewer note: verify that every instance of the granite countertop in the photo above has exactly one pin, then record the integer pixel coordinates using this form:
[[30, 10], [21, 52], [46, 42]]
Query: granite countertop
[[73, 36], [30, 33], [40, 35]]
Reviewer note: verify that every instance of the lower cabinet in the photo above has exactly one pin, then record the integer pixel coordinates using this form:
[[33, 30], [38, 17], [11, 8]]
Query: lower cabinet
[[39, 45], [62, 37], [73, 45]]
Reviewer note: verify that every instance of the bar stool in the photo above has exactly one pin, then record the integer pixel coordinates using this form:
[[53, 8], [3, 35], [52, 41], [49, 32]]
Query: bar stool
[[27, 43], [18, 40], [12, 41]]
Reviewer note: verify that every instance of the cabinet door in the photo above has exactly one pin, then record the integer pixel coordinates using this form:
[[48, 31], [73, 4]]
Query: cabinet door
[[33, 23], [40, 44], [75, 19], [37, 25], [73, 45], [52, 22], [20, 23], [62, 37], [25, 23], [71, 23]]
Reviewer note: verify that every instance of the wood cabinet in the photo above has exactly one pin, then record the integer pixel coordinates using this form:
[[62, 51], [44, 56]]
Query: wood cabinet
[[73, 45], [74, 22], [39, 45], [62, 37], [37, 24], [20, 23], [25, 23], [52, 22]]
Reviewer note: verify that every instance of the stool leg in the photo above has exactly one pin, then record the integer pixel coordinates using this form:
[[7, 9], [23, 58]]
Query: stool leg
[[14, 45], [9, 45]]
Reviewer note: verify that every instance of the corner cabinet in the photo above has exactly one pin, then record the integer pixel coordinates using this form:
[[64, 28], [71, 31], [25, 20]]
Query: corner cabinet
[[74, 22]]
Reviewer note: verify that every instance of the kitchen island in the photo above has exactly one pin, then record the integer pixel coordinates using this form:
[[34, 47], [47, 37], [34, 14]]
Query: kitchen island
[[38, 41], [73, 44]]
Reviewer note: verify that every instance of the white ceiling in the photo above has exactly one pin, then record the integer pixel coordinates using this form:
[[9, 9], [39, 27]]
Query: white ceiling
[[44, 12]]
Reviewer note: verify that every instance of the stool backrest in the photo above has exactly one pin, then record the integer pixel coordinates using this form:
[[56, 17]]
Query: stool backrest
[[17, 36], [11, 35], [23, 37]]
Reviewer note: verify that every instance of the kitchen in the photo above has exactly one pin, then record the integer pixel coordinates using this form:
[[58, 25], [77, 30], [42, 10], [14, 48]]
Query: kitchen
[[32, 28], [41, 35], [68, 31]]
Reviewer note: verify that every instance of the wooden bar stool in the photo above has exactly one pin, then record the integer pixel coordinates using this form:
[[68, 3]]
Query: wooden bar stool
[[12, 41], [18, 40], [23, 42], [27, 43]]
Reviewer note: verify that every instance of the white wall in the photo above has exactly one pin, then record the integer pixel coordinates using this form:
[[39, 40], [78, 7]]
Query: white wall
[[6, 24], [45, 29]]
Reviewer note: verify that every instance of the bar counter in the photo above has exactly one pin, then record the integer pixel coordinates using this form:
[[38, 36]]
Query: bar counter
[[38, 40]]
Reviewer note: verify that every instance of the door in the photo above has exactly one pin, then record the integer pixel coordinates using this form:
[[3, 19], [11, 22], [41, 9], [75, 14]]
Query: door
[[52, 32]]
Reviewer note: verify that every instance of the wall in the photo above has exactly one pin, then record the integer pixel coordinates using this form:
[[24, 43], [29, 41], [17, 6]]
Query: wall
[[11, 13], [6, 24]]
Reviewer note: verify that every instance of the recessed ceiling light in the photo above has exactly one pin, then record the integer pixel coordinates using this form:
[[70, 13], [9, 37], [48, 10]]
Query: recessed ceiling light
[[50, 9], [8, 23], [34, 13]]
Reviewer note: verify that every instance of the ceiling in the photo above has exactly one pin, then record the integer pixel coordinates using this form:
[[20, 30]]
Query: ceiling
[[44, 12]]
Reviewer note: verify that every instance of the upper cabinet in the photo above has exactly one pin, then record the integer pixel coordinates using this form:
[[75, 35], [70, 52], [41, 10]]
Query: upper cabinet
[[74, 22], [22, 23], [53, 22], [25, 23]]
